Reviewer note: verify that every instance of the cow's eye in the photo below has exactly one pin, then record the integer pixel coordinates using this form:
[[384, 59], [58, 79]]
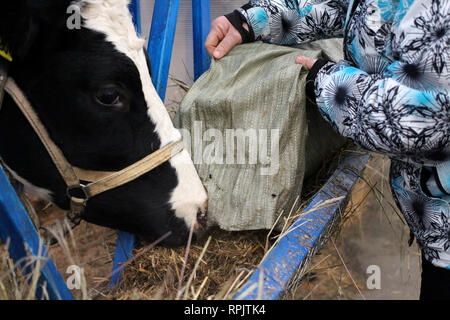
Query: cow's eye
[[109, 96]]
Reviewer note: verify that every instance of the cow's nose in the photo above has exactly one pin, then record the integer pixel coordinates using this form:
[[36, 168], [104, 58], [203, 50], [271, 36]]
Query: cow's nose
[[202, 216]]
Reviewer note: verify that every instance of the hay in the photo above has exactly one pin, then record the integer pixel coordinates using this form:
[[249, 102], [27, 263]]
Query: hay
[[229, 257]]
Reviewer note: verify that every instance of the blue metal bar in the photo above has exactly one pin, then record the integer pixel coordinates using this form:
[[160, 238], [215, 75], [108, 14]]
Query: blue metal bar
[[160, 43], [135, 9], [277, 269], [16, 225], [125, 241], [124, 249], [160, 51], [201, 17]]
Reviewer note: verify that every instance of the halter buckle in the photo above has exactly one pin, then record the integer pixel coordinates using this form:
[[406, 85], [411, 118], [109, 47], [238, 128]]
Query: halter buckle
[[79, 196], [79, 191]]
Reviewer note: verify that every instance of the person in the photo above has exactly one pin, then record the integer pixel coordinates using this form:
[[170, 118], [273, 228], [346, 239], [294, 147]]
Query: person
[[389, 95]]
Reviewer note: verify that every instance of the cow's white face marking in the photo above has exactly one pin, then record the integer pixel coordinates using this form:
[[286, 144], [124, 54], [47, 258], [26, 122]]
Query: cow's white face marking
[[112, 18]]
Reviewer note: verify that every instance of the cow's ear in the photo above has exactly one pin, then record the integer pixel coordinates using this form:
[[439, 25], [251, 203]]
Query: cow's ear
[[22, 20], [17, 28]]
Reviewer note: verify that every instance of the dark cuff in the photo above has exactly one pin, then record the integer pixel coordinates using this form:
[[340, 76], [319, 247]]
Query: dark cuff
[[311, 78], [236, 18]]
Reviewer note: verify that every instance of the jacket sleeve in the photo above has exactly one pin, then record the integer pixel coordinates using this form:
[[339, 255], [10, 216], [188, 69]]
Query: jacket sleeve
[[290, 22], [404, 112]]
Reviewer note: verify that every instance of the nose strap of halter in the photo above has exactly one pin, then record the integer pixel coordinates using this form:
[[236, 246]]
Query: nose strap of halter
[[99, 181], [111, 180]]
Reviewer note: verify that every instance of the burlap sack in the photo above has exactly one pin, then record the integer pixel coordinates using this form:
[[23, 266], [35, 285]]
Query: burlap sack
[[256, 94]]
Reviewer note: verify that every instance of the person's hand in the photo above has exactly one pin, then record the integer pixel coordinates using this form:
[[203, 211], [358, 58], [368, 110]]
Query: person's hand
[[305, 61], [222, 37]]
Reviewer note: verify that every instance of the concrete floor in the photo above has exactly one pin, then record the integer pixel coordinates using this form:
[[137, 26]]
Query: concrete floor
[[374, 235]]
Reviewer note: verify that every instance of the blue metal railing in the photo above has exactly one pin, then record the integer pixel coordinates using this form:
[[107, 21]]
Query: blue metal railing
[[271, 278], [17, 228]]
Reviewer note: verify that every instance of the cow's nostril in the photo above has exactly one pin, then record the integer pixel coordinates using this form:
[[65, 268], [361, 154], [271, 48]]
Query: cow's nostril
[[202, 217]]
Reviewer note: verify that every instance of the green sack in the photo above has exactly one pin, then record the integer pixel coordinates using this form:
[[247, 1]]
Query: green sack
[[251, 135]]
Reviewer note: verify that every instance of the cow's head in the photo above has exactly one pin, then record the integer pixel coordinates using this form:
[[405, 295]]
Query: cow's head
[[92, 89]]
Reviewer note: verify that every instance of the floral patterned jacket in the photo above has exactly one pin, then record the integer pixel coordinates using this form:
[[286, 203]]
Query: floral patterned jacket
[[390, 94]]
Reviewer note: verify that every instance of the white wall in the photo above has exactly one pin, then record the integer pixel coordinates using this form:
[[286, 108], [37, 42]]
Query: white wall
[[182, 65]]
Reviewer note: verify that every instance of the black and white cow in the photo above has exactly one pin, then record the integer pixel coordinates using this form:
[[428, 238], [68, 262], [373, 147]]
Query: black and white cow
[[91, 88]]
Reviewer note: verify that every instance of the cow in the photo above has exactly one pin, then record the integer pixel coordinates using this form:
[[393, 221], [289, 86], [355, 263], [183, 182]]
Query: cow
[[92, 89]]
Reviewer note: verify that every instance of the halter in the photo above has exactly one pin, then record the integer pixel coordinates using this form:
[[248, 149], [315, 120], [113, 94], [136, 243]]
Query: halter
[[97, 181]]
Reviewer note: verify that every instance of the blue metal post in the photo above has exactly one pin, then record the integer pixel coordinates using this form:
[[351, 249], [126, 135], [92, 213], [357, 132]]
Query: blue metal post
[[125, 241], [124, 249], [160, 46], [160, 43], [135, 9], [16, 225], [162, 34], [201, 17]]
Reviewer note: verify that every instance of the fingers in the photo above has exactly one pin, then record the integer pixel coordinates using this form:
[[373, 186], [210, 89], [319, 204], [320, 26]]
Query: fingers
[[300, 60], [222, 38], [212, 42], [231, 39], [305, 61]]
